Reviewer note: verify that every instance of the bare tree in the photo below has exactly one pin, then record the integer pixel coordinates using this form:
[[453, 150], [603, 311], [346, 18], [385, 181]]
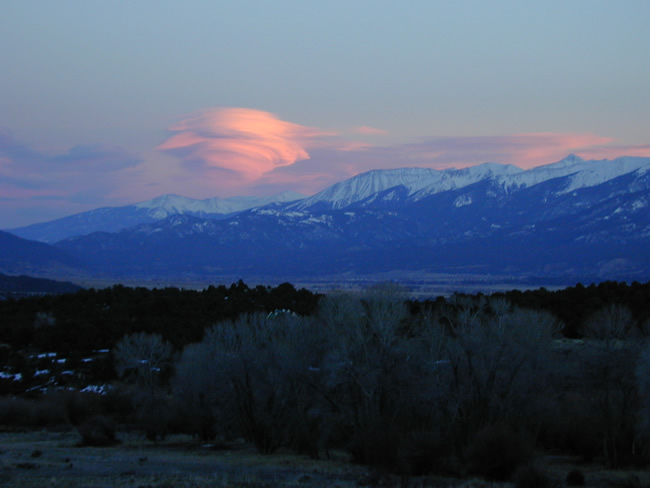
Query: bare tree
[[143, 358], [609, 363], [613, 322], [643, 384], [497, 366]]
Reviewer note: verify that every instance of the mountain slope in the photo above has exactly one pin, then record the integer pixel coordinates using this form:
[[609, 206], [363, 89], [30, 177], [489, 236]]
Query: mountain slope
[[572, 220], [22, 256], [18, 286], [113, 219]]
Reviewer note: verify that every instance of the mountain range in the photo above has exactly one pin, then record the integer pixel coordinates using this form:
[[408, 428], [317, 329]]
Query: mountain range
[[573, 220]]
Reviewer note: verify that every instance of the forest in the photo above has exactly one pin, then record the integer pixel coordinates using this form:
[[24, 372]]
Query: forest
[[462, 385]]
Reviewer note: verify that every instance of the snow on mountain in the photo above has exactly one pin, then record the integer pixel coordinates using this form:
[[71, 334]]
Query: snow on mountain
[[418, 182], [588, 219], [453, 179], [582, 173], [113, 219], [366, 184], [170, 204]]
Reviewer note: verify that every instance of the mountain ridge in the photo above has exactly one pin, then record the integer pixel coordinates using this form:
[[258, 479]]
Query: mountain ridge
[[113, 219], [573, 220], [599, 229]]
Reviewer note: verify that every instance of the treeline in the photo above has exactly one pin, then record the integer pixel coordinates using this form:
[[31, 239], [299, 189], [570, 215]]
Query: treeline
[[463, 385], [475, 386], [96, 319], [573, 305]]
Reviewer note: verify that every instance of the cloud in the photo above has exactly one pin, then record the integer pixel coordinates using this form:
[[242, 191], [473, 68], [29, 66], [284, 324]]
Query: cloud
[[97, 156], [242, 150], [239, 151], [58, 184], [366, 130], [246, 142], [524, 150]]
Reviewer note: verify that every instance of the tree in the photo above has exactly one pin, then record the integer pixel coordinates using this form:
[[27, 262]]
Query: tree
[[144, 359], [257, 377], [609, 364], [371, 370], [493, 367]]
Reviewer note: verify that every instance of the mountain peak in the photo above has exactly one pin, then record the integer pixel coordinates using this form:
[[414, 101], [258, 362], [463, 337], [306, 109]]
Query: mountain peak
[[570, 159]]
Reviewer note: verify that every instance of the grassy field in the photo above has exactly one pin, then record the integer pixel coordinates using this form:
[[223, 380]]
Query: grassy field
[[52, 459]]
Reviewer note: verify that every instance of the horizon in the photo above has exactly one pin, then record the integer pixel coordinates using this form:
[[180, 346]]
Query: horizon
[[105, 105]]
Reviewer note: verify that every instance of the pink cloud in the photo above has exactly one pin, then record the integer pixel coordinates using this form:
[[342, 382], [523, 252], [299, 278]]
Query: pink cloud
[[372, 131], [241, 150], [524, 150], [246, 142], [34, 183]]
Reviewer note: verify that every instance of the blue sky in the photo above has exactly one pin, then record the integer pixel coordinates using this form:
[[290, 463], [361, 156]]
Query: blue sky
[[109, 103]]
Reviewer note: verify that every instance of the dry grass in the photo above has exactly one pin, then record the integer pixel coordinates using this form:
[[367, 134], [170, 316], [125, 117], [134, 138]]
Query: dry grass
[[52, 459]]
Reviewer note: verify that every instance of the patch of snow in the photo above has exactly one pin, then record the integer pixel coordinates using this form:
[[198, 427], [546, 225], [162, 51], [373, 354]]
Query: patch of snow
[[45, 355], [10, 376], [97, 389], [41, 372], [323, 219], [462, 201], [170, 204]]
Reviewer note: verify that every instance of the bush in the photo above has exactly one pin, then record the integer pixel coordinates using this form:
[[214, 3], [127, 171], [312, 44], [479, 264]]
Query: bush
[[496, 452], [15, 412], [534, 476], [575, 478], [47, 412], [424, 453], [98, 431], [376, 445]]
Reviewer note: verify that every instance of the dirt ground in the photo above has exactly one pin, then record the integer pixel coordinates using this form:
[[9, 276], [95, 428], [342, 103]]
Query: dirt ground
[[52, 459]]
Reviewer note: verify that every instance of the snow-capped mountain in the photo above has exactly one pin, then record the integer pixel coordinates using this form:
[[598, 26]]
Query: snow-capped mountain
[[413, 183], [573, 220], [113, 219], [170, 204]]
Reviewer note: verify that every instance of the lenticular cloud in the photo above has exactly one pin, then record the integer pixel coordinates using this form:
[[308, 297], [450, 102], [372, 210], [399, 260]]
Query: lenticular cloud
[[245, 141]]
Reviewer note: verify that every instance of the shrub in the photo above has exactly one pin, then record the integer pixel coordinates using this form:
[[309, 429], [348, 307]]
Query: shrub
[[47, 413], [575, 477], [534, 476], [376, 445], [424, 453], [15, 412], [98, 431], [496, 452]]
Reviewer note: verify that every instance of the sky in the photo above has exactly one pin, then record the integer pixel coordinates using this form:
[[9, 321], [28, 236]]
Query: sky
[[112, 103]]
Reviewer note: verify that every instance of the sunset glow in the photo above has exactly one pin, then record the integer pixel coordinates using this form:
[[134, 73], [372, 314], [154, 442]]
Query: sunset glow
[[108, 105], [248, 142]]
